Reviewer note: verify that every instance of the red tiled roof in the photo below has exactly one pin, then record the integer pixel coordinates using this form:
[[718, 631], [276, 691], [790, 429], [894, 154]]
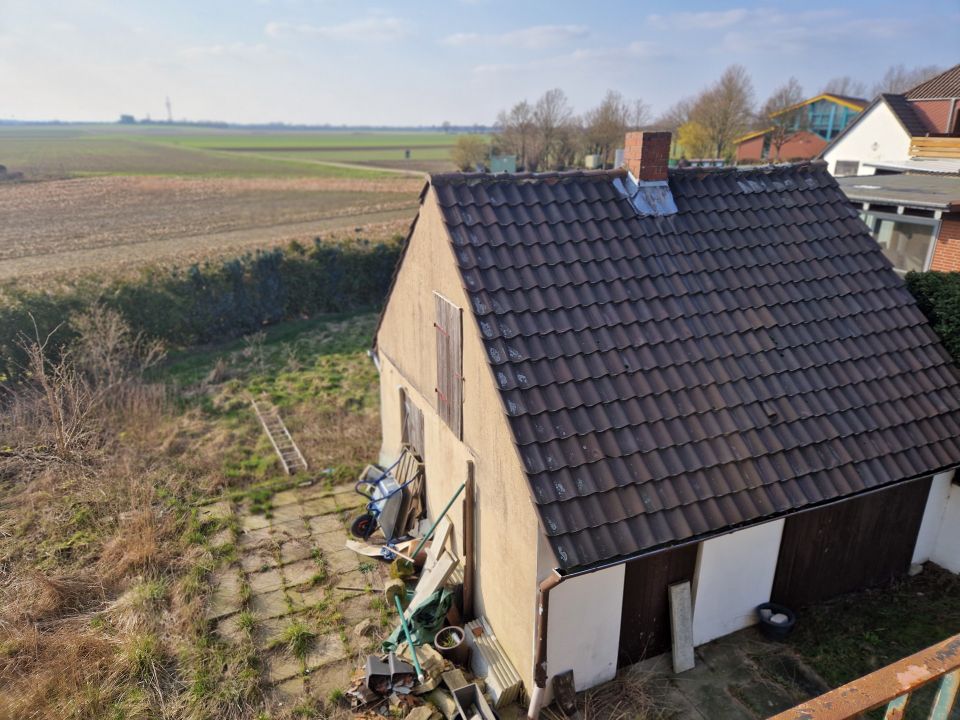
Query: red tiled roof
[[670, 377]]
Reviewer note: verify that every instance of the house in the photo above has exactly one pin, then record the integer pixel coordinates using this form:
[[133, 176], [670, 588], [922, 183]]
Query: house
[[899, 163], [804, 129], [706, 376]]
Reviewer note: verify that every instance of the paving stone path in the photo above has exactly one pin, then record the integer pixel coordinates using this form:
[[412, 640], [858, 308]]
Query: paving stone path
[[292, 569]]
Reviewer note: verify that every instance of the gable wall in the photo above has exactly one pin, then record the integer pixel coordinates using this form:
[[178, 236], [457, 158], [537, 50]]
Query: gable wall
[[876, 126], [507, 525]]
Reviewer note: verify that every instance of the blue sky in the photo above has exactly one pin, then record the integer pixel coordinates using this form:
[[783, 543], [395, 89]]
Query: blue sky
[[408, 63]]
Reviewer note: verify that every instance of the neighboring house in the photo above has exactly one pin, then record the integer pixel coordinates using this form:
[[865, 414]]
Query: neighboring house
[[899, 163], [807, 128], [918, 131], [710, 377], [914, 217]]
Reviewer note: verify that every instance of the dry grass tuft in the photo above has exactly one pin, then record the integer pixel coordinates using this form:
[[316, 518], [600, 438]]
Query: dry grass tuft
[[39, 598], [629, 696]]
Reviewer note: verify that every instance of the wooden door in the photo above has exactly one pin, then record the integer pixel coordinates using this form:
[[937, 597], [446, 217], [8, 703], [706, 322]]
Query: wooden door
[[858, 543], [645, 620]]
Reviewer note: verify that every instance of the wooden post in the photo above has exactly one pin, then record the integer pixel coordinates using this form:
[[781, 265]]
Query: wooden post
[[469, 522]]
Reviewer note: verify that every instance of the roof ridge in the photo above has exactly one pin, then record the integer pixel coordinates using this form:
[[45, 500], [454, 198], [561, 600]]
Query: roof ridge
[[450, 178]]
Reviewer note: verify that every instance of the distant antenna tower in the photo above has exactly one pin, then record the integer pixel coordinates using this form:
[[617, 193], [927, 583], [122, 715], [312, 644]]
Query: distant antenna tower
[[169, 111]]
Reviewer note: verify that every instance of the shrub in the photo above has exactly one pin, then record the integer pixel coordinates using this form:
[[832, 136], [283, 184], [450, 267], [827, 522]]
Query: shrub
[[211, 301], [938, 296]]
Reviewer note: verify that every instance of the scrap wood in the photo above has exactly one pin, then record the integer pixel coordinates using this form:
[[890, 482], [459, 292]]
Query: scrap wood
[[432, 580], [377, 551]]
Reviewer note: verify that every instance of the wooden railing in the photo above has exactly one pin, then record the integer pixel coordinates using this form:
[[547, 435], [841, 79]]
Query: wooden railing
[[935, 147], [891, 686]]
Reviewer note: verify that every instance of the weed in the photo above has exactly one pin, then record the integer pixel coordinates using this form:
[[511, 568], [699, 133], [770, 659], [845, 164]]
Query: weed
[[246, 621], [296, 637]]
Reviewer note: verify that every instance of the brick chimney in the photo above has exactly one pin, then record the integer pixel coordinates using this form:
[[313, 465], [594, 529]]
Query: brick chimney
[[645, 155]]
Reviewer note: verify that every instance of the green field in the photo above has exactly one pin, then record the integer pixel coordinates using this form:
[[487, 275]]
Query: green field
[[58, 151]]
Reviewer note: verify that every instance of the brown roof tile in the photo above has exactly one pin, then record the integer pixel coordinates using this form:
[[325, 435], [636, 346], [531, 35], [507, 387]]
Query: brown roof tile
[[669, 377], [944, 85]]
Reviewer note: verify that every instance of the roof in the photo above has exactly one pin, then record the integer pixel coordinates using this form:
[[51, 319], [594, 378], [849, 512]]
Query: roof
[[948, 166], [905, 112], [934, 192], [851, 102], [667, 378], [944, 85], [909, 121]]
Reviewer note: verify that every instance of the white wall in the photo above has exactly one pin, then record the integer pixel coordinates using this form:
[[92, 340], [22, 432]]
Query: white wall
[[939, 536], [584, 626], [876, 136], [734, 575], [946, 553]]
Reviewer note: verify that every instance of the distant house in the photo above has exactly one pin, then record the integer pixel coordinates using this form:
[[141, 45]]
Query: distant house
[[899, 163], [809, 126], [656, 377]]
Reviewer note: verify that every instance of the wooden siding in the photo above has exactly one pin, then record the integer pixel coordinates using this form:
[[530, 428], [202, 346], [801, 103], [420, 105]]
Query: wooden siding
[[412, 424], [854, 544], [935, 147], [449, 324], [645, 619]]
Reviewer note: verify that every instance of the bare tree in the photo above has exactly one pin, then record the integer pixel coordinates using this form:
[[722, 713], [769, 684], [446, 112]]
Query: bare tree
[[553, 118], [639, 115], [900, 78], [845, 85], [725, 109], [605, 125], [516, 131], [781, 114], [675, 116]]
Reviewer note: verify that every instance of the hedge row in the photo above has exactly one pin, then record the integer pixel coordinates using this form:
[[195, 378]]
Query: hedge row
[[938, 295], [215, 300]]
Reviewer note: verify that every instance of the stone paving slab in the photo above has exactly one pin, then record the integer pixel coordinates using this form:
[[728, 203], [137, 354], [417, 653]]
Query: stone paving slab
[[293, 562], [225, 598], [269, 605]]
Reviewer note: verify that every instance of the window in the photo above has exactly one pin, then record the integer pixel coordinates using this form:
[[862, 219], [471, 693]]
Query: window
[[906, 241], [411, 424], [845, 168], [449, 364]]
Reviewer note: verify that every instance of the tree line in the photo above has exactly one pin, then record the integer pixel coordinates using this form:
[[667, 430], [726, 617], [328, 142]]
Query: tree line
[[547, 134]]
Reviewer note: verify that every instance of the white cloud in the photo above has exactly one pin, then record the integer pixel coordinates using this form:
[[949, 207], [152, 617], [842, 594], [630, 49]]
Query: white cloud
[[706, 20], [579, 59], [536, 37], [376, 28], [232, 50]]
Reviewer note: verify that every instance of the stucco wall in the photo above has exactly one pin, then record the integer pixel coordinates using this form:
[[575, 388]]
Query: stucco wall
[[734, 574], [877, 136], [939, 536], [507, 527]]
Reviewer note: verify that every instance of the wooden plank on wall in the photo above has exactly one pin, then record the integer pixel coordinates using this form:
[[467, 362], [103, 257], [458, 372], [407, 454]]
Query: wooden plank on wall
[[449, 390]]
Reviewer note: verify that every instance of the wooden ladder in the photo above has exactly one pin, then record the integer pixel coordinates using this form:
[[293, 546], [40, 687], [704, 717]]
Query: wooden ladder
[[290, 456]]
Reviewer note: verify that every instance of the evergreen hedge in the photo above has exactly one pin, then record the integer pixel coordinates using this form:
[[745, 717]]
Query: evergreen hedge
[[214, 300], [938, 295]]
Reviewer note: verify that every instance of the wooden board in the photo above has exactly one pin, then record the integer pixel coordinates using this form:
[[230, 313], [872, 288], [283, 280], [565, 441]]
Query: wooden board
[[645, 619], [858, 543], [449, 388]]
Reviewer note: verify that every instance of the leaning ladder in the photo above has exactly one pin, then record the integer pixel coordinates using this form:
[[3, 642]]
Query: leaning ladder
[[290, 456]]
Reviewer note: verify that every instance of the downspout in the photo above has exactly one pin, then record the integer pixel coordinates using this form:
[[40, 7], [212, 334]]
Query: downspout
[[540, 658]]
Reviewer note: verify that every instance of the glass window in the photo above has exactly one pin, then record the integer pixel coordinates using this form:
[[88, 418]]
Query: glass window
[[905, 241]]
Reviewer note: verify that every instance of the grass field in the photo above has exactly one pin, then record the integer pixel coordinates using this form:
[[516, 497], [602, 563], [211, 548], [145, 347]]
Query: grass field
[[58, 151]]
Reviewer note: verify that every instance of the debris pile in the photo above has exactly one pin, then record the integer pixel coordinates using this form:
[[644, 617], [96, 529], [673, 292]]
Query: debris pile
[[423, 671]]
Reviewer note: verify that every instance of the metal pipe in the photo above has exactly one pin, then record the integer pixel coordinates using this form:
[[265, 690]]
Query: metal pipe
[[540, 658], [406, 634], [469, 563]]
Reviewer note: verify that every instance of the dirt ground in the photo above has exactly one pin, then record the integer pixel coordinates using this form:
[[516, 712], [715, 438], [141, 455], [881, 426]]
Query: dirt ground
[[52, 225]]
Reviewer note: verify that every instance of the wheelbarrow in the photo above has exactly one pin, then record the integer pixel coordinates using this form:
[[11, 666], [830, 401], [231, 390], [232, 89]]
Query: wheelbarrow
[[389, 494]]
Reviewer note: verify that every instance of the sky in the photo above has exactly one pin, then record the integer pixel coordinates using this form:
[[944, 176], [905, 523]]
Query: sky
[[423, 63]]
